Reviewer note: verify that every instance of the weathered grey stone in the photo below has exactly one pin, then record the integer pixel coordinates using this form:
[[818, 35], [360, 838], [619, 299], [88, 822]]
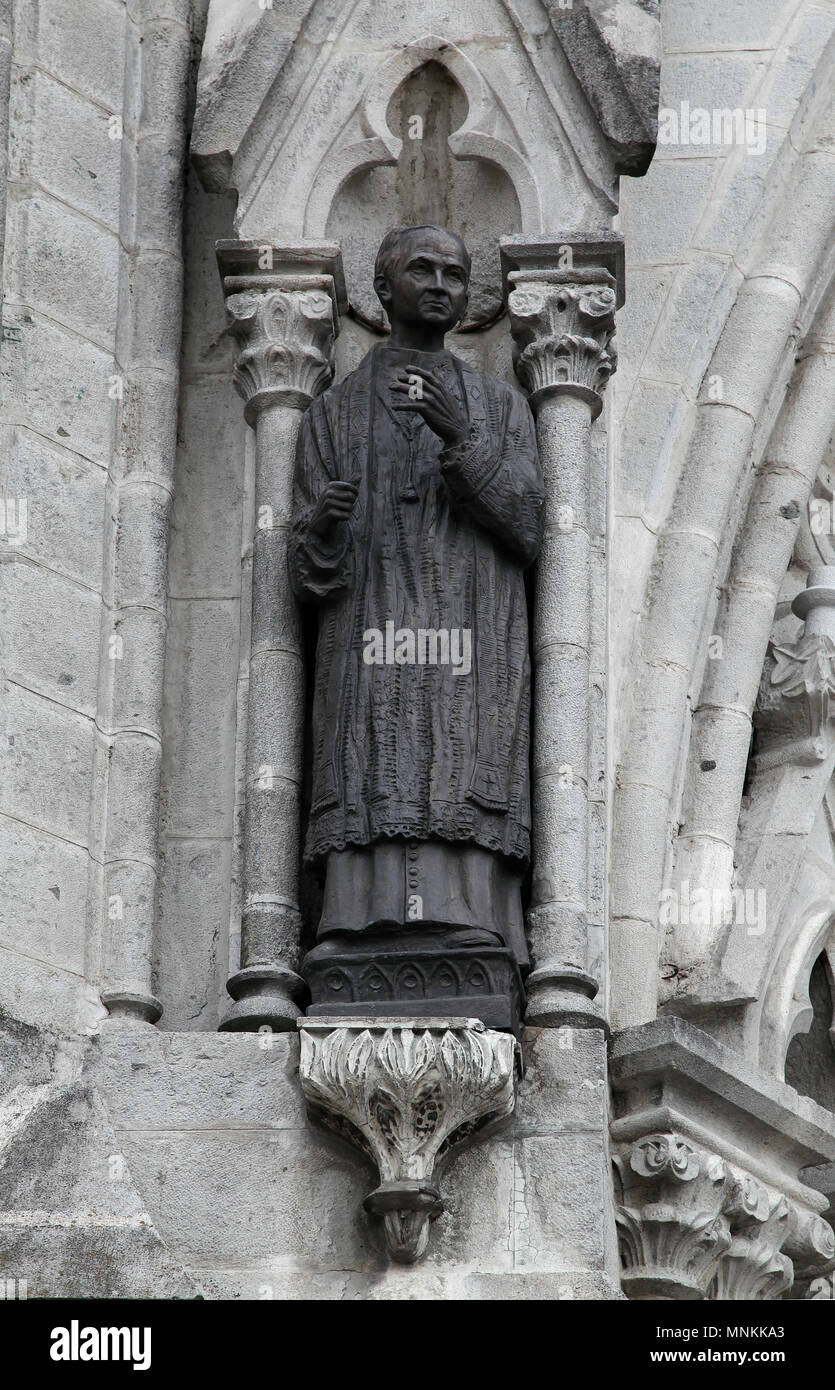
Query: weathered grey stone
[[49, 268], [84, 49], [714, 447], [64, 496], [64, 143], [72, 1224]]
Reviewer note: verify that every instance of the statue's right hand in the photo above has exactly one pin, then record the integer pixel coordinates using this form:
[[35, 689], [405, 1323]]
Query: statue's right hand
[[335, 505]]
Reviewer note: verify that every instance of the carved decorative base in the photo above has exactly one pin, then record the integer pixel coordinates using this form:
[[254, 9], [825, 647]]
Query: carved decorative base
[[264, 998], [480, 983], [406, 1091]]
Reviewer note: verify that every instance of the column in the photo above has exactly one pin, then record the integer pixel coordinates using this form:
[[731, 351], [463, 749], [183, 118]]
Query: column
[[562, 300], [282, 305]]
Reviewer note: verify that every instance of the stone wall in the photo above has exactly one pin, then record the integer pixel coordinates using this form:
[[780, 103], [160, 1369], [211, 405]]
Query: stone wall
[[183, 1155]]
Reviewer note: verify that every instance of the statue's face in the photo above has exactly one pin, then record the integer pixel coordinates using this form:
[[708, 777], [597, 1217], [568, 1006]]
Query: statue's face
[[429, 284]]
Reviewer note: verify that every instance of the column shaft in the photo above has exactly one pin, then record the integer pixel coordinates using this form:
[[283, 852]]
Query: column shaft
[[563, 322], [286, 325]]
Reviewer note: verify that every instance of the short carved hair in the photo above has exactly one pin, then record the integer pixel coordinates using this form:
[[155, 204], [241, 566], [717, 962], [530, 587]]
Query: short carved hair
[[394, 242]]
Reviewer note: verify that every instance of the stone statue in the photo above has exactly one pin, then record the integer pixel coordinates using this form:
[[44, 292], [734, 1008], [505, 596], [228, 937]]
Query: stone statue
[[417, 509]]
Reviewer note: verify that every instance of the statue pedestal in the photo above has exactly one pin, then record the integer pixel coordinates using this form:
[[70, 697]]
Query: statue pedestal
[[482, 983]]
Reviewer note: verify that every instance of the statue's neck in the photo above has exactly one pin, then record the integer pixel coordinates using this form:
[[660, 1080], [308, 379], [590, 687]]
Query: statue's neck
[[405, 335]]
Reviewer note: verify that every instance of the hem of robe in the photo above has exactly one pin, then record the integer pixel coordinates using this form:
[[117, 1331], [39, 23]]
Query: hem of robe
[[379, 887], [514, 844]]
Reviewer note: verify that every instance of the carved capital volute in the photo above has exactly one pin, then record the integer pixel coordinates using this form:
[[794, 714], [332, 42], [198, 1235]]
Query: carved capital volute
[[563, 324], [671, 1225], [285, 338], [692, 1225], [405, 1091], [282, 308]]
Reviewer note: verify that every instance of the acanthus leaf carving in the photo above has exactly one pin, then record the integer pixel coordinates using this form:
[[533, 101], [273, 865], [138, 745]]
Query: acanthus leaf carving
[[406, 1092], [671, 1224], [563, 328], [286, 339], [693, 1226]]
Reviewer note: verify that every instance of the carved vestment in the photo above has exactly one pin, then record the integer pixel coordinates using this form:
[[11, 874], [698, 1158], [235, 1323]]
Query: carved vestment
[[439, 539]]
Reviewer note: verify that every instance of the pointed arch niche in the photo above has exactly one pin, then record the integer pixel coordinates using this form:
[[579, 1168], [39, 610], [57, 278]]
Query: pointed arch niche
[[438, 152]]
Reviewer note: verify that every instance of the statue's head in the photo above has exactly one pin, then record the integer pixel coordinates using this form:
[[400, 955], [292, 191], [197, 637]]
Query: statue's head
[[421, 276]]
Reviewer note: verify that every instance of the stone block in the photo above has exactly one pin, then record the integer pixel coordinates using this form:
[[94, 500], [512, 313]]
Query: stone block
[[228, 1195], [46, 765], [192, 965], [562, 1190], [82, 45], [694, 82], [46, 996], [162, 1082], [63, 143], [477, 1187], [43, 892], [650, 437], [66, 265], [53, 640], [58, 384], [200, 712], [699, 300], [735, 217], [646, 291], [206, 521], [75, 1259], [790, 85], [564, 1086], [721, 24], [660, 214]]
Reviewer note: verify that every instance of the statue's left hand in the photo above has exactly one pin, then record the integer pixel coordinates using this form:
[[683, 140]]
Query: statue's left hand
[[419, 390]]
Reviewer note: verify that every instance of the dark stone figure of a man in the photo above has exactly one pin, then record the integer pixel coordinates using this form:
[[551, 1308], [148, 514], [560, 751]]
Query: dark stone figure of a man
[[418, 508]]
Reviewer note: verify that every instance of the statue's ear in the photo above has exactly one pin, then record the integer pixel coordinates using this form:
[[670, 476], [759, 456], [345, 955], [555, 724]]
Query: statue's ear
[[381, 289]]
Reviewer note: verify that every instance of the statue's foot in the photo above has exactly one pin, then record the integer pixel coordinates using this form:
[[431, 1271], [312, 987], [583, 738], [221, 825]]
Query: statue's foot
[[397, 937]]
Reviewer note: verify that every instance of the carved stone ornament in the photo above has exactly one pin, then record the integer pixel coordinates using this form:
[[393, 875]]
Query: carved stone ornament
[[691, 1226], [795, 706], [286, 340], [563, 327], [806, 671], [406, 1091]]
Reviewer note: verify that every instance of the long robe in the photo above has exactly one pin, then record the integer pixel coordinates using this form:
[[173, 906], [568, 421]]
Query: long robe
[[439, 539]]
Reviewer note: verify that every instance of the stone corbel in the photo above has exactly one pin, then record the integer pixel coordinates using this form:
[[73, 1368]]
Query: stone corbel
[[407, 1092], [562, 297], [698, 1219], [282, 306]]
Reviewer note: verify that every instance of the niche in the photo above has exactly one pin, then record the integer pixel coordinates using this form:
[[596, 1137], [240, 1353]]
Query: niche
[[429, 184]]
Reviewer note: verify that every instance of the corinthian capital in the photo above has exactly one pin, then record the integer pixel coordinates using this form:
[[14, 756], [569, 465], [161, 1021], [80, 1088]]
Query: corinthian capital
[[286, 339], [693, 1225], [563, 324], [671, 1225]]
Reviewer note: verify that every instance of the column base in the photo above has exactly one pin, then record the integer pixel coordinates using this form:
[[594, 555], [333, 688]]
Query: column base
[[564, 997], [126, 1007], [263, 997]]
